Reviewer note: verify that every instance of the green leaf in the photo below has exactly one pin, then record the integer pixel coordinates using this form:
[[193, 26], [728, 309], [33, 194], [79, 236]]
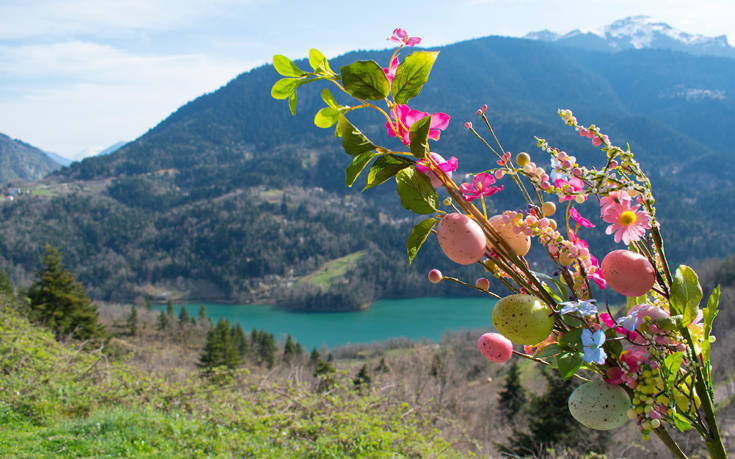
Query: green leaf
[[318, 62], [417, 237], [357, 166], [686, 294], [671, 366], [411, 75], [708, 315], [384, 168], [416, 191], [569, 363], [563, 293], [365, 80], [681, 422], [328, 98], [283, 88], [548, 351], [353, 141], [292, 103], [326, 117], [286, 67], [572, 339], [419, 135]]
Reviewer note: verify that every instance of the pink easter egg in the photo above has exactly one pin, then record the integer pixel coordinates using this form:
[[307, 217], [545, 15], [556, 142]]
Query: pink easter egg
[[461, 239], [628, 273], [495, 347], [435, 276]]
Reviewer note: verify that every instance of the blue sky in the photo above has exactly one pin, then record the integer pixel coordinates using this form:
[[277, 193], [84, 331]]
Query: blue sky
[[79, 75]]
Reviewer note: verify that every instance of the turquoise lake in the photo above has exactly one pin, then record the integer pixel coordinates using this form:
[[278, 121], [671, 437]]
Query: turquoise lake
[[414, 318]]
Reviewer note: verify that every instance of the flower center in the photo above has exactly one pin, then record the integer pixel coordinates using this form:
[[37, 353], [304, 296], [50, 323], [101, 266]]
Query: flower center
[[627, 218]]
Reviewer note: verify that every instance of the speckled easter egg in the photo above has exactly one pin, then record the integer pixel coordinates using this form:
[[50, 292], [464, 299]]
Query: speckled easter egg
[[495, 347], [599, 405], [518, 242], [628, 273], [435, 182], [523, 319], [461, 239]]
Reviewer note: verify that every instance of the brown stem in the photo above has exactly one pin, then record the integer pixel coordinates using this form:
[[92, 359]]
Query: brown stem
[[669, 442]]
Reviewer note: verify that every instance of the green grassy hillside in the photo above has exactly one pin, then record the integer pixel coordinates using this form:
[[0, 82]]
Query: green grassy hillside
[[59, 400]]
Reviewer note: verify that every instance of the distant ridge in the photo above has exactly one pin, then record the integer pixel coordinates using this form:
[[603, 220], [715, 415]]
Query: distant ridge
[[639, 32], [20, 161]]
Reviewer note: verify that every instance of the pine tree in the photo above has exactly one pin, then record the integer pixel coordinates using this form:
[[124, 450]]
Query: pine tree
[[231, 356], [239, 339], [550, 425], [133, 321], [513, 396], [5, 286], [170, 310], [289, 350], [60, 302], [363, 379], [162, 321], [382, 366], [213, 353], [267, 348], [314, 357], [183, 317], [202, 313]]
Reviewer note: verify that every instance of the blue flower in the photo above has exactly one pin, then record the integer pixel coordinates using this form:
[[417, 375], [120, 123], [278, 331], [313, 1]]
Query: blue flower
[[584, 307], [592, 343], [629, 323]]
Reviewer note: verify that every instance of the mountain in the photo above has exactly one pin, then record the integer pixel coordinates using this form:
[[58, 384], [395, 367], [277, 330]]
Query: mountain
[[97, 151], [58, 159], [231, 198], [639, 32], [20, 161], [111, 149]]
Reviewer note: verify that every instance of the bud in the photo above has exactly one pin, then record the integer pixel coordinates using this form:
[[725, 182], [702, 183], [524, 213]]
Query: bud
[[435, 276], [523, 159]]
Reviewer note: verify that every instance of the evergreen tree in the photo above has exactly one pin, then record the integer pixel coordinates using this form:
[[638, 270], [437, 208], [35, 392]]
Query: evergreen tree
[[202, 313], [314, 357], [5, 286], [219, 348], [289, 350], [147, 305], [550, 425], [170, 310], [133, 321], [363, 379], [183, 317], [382, 366], [324, 373], [267, 348], [162, 321], [213, 353], [239, 339], [513, 396], [60, 302], [299, 350]]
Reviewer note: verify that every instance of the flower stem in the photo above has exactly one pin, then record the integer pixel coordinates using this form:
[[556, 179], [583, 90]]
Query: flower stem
[[669, 442]]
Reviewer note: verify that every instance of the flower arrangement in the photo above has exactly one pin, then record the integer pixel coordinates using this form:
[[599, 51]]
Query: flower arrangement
[[649, 364]]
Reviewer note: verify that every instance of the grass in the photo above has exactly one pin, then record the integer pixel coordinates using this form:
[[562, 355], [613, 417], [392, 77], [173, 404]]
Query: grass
[[331, 271], [59, 400]]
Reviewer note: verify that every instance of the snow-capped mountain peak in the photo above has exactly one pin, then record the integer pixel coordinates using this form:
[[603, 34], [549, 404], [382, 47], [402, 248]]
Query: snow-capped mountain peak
[[639, 32]]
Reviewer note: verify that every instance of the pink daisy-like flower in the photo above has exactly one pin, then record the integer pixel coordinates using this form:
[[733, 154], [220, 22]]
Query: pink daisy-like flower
[[482, 185], [405, 117], [400, 36], [446, 166], [615, 197], [627, 222]]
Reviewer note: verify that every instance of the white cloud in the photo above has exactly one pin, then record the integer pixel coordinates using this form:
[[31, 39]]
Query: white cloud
[[95, 94]]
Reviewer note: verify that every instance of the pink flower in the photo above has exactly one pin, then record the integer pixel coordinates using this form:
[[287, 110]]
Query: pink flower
[[627, 223], [581, 221], [574, 184], [400, 36], [615, 197], [446, 166], [404, 117], [390, 72], [482, 185]]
